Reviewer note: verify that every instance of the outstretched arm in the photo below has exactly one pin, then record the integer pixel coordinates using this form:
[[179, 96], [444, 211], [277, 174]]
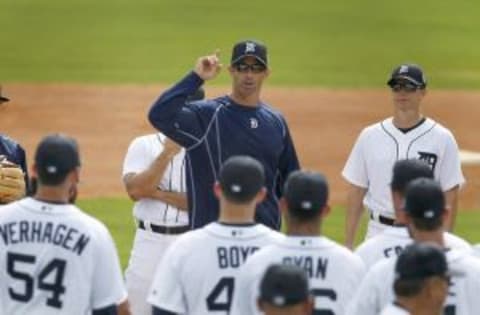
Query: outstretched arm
[[354, 212]]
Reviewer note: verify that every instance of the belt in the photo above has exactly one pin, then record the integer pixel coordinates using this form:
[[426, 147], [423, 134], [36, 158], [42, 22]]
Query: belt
[[384, 220], [162, 229]]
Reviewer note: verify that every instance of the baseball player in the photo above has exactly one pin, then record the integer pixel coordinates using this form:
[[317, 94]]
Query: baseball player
[[13, 167], [421, 281], [153, 174], [333, 271], [237, 124], [394, 238], [154, 177], [197, 275], [425, 208], [55, 259], [406, 135], [284, 290]]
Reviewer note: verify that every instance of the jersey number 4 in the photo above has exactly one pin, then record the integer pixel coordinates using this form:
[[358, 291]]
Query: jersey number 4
[[55, 266], [214, 302]]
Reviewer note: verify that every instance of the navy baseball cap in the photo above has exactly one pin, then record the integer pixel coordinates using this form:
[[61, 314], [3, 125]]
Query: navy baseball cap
[[410, 72], [241, 178], [306, 192], [56, 155], [423, 260], [424, 199], [404, 171], [251, 48], [284, 285], [3, 98]]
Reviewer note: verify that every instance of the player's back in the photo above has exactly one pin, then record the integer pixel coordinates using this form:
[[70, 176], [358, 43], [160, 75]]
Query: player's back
[[376, 289], [54, 259], [333, 271], [392, 241], [197, 274]]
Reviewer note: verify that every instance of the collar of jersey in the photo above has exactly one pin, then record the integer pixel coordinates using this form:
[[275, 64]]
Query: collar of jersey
[[390, 127], [43, 207], [238, 231], [306, 241]]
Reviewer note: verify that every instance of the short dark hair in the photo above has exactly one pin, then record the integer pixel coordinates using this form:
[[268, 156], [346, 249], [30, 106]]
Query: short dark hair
[[55, 157], [241, 178], [404, 171], [408, 287]]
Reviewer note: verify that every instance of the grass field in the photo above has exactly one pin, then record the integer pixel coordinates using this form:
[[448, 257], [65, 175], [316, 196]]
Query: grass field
[[327, 43], [338, 44], [116, 213]]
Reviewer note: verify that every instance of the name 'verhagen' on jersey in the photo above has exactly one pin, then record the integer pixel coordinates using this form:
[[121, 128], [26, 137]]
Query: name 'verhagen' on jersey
[[234, 256], [314, 267], [44, 232]]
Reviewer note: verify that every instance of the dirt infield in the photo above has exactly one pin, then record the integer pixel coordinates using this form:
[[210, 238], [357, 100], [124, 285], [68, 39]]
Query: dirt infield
[[324, 124]]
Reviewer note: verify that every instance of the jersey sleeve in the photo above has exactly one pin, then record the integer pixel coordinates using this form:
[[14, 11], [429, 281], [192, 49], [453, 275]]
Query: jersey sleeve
[[108, 286], [355, 170], [288, 161], [174, 116], [138, 157], [450, 173], [166, 291], [367, 298]]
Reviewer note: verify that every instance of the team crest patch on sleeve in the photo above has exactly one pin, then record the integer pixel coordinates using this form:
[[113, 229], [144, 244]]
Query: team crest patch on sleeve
[[429, 158]]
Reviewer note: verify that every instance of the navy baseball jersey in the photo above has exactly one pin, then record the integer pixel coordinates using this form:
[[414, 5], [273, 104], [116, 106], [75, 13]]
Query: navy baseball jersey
[[214, 130], [14, 153]]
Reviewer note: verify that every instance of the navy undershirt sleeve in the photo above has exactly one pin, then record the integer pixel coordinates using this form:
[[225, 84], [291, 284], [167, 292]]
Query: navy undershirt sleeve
[[159, 311], [109, 310]]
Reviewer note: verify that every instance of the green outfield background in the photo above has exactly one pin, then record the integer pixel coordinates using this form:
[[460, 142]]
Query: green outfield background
[[337, 44]]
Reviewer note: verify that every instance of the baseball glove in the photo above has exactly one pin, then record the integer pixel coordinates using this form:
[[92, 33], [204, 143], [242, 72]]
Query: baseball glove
[[12, 182]]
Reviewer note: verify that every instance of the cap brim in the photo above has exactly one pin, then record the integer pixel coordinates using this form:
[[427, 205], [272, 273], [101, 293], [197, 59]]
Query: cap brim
[[403, 77], [249, 55]]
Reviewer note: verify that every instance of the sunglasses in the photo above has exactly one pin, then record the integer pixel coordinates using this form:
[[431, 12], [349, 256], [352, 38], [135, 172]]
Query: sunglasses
[[255, 68], [407, 87]]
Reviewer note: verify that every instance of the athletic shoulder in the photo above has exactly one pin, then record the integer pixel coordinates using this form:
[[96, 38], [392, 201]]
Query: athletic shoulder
[[455, 242], [439, 128], [346, 254]]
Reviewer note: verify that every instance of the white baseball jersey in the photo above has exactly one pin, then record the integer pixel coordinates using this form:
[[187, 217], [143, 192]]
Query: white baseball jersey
[[376, 289], [476, 250], [197, 275], [334, 272], [393, 240], [380, 145], [55, 259], [140, 155], [392, 309]]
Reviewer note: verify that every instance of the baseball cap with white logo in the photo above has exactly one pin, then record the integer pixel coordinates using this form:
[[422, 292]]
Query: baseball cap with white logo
[[306, 192], [409, 72], [251, 48], [424, 199], [241, 178]]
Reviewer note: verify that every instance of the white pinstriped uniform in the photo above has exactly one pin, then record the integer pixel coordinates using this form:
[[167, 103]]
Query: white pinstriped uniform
[[148, 246], [380, 145]]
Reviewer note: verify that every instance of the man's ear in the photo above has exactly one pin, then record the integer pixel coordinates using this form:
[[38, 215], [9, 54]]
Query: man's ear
[[217, 190], [261, 195]]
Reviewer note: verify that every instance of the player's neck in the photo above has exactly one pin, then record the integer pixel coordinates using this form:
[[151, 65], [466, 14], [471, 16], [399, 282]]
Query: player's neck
[[429, 236], [306, 229], [247, 100], [236, 214], [416, 306], [407, 118], [52, 194]]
